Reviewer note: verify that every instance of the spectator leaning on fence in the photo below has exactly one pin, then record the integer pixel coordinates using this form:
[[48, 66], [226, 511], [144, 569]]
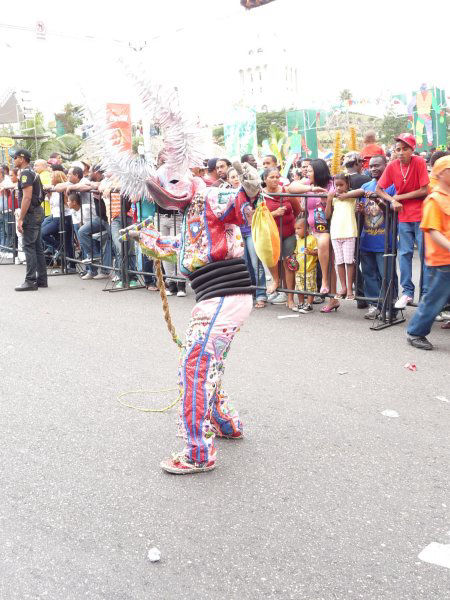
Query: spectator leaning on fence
[[283, 212], [372, 239], [52, 226], [408, 173]]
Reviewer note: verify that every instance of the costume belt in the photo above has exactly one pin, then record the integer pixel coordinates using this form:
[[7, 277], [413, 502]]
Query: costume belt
[[221, 278]]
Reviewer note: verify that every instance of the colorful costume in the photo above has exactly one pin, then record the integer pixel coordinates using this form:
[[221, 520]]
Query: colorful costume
[[210, 250]]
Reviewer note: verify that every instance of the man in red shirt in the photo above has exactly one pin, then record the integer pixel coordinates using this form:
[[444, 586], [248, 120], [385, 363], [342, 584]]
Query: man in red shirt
[[408, 173]]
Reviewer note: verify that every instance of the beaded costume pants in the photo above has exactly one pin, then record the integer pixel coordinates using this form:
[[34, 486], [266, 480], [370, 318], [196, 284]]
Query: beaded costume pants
[[205, 409]]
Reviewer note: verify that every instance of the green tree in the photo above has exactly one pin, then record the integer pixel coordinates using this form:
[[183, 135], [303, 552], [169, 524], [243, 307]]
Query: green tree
[[391, 126], [71, 117], [266, 120], [345, 95], [278, 143], [219, 135]]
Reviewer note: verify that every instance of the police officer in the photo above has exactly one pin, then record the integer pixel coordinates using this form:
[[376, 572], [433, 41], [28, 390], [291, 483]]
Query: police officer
[[29, 223]]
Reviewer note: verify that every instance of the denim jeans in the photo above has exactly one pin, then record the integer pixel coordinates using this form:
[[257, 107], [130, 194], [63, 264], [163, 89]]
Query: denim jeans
[[408, 233], [91, 247], [6, 229], [167, 227], [255, 267], [372, 264], [116, 226], [432, 302], [147, 266], [51, 237], [32, 246]]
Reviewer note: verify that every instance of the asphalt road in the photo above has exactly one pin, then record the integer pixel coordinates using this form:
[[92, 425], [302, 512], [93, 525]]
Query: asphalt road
[[325, 499]]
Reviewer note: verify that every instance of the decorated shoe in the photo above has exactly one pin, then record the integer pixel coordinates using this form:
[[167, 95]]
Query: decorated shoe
[[178, 464]]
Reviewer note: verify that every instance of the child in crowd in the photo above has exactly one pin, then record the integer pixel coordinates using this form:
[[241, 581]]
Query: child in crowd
[[343, 231], [306, 257]]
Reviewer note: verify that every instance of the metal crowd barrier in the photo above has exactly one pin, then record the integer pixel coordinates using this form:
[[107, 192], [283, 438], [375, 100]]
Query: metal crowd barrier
[[92, 203], [388, 316]]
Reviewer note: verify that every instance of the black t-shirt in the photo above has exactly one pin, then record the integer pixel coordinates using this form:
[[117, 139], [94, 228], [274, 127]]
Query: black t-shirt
[[357, 180], [29, 177]]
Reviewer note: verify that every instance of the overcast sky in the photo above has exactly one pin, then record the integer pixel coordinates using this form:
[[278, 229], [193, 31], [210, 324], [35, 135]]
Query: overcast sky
[[368, 47]]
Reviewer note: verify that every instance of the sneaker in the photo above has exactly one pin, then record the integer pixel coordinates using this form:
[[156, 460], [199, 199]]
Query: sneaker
[[133, 283], [372, 313], [115, 278], [101, 276], [403, 301], [306, 308], [88, 276], [445, 314], [272, 296], [180, 465], [318, 300], [361, 304], [169, 292], [280, 298], [118, 285], [420, 341], [181, 293]]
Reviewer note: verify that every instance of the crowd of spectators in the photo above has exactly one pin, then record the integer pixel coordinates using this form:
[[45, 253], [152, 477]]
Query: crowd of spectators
[[319, 227]]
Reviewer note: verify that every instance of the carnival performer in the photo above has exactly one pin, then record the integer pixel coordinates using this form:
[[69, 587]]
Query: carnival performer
[[210, 252]]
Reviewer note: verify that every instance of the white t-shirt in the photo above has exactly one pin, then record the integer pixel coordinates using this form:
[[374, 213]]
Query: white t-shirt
[[55, 206], [76, 216], [85, 203]]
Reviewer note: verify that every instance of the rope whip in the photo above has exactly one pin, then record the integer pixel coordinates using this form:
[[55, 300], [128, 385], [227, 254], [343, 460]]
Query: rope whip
[[175, 338]]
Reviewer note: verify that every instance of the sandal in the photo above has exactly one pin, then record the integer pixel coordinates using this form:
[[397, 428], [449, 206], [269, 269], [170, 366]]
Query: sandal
[[324, 290], [260, 304], [341, 296], [329, 307], [351, 297], [152, 288]]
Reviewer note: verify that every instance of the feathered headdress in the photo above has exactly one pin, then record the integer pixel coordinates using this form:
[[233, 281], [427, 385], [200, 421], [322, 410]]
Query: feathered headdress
[[181, 140]]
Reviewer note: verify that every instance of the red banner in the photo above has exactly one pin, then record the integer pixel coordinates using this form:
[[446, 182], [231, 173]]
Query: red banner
[[118, 117]]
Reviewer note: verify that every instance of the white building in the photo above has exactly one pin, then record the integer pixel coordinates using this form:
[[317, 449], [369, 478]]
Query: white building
[[268, 80]]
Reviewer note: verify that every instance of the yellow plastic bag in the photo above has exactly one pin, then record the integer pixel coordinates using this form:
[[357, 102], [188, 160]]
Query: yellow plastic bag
[[265, 236]]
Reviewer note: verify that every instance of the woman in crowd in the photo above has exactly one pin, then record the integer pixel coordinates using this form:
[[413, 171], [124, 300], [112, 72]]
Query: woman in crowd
[[319, 181], [284, 211], [51, 228]]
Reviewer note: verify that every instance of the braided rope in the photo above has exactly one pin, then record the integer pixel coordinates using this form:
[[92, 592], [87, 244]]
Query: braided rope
[[176, 339], [165, 304]]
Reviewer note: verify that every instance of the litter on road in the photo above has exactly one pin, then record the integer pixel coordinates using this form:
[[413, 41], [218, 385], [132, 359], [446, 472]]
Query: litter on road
[[436, 554], [390, 413]]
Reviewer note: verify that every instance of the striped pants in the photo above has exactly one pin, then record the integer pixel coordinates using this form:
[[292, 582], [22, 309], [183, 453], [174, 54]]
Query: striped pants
[[205, 408]]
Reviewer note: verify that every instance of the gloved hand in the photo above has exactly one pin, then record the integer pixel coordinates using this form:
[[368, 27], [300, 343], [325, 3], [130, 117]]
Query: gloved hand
[[249, 178]]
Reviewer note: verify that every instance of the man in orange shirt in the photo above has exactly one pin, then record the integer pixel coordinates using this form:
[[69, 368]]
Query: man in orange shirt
[[436, 225]]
